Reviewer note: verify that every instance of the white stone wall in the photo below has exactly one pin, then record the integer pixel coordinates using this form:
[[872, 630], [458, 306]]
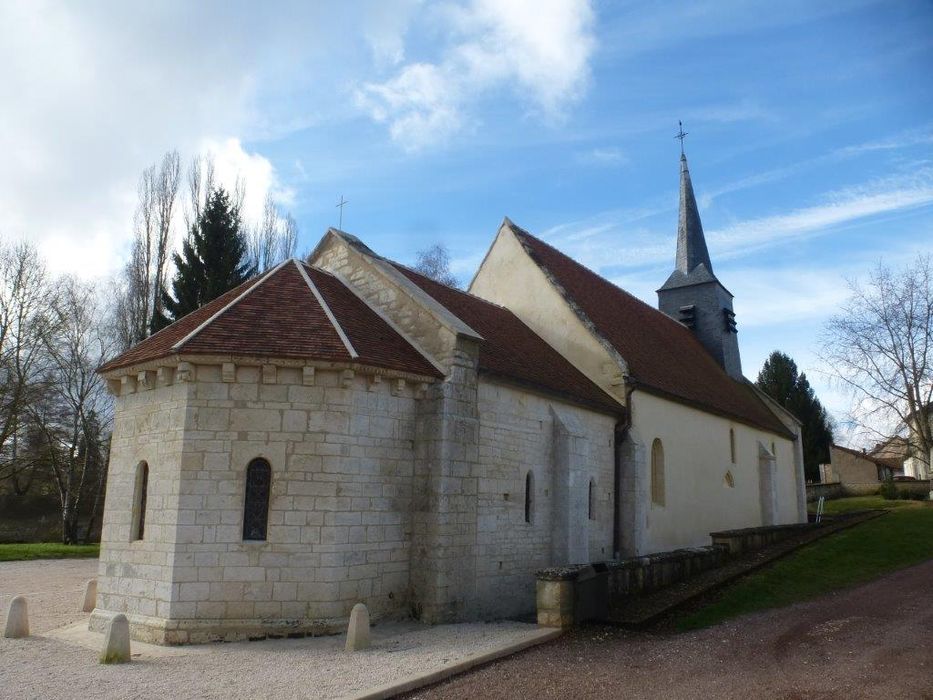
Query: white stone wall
[[340, 445], [517, 433], [341, 457], [135, 576], [696, 459]]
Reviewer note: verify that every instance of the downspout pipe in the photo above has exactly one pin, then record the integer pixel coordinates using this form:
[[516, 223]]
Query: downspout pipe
[[620, 434]]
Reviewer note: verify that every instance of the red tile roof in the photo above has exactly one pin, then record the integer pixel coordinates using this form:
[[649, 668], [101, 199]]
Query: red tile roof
[[511, 350], [279, 316], [663, 356]]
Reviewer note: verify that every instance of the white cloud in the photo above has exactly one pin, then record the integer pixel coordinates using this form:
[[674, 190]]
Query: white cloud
[[254, 171], [539, 49], [884, 196], [744, 110], [94, 93], [605, 156]]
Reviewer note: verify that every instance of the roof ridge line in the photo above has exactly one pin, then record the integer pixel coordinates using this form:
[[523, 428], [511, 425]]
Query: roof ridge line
[[388, 320], [330, 314], [246, 292], [608, 281], [464, 292]]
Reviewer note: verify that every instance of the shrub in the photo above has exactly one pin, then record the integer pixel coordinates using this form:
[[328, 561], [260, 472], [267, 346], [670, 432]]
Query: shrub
[[888, 490]]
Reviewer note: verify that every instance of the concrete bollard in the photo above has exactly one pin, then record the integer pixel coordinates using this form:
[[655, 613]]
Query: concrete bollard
[[358, 629], [17, 619], [90, 596], [116, 641]]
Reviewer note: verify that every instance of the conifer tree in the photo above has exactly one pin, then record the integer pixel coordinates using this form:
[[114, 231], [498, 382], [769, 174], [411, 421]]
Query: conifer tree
[[780, 379], [214, 259]]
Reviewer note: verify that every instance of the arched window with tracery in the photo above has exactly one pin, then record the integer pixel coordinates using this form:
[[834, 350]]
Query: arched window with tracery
[[139, 501], [256, 505], [529, 497], [657, 472]]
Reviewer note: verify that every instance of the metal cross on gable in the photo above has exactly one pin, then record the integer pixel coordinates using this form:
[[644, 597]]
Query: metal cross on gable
[[681, 135], [340, 205]]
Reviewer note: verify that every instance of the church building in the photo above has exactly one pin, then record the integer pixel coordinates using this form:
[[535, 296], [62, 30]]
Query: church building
[[345, 430]]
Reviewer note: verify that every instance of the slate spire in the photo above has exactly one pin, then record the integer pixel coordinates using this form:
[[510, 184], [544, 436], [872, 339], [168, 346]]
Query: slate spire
[[692, 294], [691, 243]]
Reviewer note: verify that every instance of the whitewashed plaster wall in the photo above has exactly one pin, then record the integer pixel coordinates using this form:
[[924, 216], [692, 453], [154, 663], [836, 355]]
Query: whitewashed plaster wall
[[510, 278], [696, 459]]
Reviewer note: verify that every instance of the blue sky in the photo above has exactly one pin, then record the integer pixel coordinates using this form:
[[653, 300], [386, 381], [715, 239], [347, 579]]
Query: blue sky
[[810, 132]]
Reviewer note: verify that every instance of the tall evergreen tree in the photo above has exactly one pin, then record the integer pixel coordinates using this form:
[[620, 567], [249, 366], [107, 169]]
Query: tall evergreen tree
[[780, 379], [214, 259]]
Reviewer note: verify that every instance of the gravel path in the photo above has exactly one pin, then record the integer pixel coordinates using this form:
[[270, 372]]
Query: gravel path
[[873, 641], [54, 589], [43, 667]]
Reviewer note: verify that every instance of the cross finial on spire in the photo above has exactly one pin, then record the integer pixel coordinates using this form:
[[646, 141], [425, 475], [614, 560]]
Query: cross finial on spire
[[681, 135], [340, 205]]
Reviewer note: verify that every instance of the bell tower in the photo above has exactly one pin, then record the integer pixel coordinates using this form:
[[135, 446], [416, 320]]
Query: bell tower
[[693, 294]]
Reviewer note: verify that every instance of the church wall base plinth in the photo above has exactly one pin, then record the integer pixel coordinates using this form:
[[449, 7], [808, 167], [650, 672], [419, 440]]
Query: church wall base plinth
[[165, 632]]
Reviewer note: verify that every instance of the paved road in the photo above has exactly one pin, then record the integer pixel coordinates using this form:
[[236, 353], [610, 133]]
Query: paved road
[[873, 641]]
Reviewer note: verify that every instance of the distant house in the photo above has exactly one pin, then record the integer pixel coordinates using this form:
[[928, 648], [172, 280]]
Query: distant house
[[853, 467], [894, 451]]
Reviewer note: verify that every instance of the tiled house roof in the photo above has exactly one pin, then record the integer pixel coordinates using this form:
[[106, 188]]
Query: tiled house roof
[[292, 312], [663, 356], [875, 459], [510, 349]]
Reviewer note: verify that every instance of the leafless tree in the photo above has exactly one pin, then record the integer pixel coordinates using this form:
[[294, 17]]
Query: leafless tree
[[200, 186], [25, 305], [263, 237], [75, 408], [138, 298], [434, 262], [274, 238], [166, 190], [289, 237], [880, 347]]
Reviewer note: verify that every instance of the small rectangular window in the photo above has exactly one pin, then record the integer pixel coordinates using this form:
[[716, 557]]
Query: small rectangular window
[[256, 505], [139, 501]]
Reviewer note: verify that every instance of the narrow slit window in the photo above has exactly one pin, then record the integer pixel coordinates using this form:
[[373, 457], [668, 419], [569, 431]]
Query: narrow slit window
[[529, 496], [256, 506], [591, 505], [732, 444], [139, 501], [657, 472]]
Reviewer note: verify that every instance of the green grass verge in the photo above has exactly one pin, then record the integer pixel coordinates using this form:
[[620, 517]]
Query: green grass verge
[[47, 550], [893, 541], [845, 505]]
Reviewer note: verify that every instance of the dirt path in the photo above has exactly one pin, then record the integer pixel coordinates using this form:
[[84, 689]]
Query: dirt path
[[875, 640]]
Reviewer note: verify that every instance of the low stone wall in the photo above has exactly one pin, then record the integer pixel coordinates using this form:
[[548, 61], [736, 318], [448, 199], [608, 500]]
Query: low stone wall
[[827, 491], [573, 594], [840, 490], [753, 538], [921, 487]]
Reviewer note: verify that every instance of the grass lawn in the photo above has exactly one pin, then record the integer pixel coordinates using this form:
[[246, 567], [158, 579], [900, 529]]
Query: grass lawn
[[899, 539], [47, 550], [845, 505]]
